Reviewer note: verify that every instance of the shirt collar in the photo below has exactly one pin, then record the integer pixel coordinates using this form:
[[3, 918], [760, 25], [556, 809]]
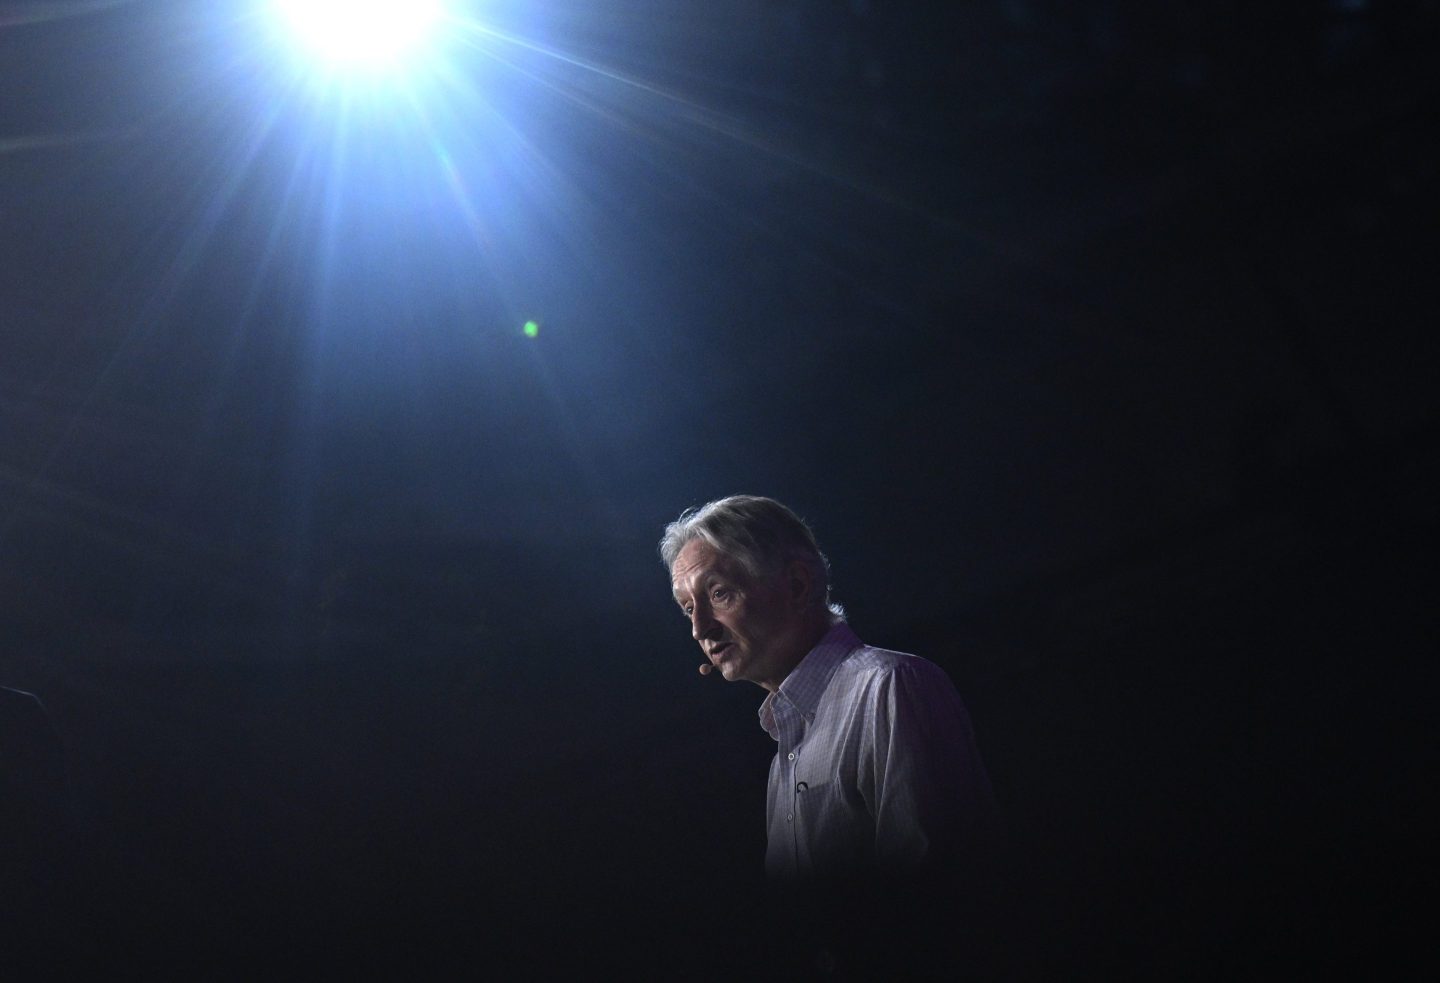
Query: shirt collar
[[807, 681]]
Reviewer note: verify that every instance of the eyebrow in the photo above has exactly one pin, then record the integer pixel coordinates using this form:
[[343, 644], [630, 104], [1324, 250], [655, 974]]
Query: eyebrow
[[710, 578]]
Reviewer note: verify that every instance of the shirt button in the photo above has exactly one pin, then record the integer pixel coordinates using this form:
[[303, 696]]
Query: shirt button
[[790, 818], [791, 755]]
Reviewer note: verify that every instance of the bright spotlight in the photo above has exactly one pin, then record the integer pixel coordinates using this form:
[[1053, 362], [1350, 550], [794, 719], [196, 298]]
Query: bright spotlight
[[361, 33]]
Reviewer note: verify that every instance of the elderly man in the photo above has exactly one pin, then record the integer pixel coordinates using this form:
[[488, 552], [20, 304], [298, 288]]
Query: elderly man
[[876, 767]]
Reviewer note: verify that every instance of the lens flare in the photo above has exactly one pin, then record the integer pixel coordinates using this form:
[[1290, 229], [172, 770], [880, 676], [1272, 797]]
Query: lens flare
[[361, 32]]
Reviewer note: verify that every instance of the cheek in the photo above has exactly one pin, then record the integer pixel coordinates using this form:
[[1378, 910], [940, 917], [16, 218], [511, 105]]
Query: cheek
[[734, 627]]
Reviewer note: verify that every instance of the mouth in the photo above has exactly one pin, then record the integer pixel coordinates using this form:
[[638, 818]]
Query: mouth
[[718, 652]]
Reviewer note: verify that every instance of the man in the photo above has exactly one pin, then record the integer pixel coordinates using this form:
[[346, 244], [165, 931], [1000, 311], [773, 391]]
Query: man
[[876, 768]]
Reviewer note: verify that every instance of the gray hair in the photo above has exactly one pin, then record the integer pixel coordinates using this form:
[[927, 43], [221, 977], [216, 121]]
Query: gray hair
[[760, 534]]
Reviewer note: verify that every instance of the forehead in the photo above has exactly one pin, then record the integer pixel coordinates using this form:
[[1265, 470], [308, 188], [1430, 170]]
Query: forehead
[[697, 562]]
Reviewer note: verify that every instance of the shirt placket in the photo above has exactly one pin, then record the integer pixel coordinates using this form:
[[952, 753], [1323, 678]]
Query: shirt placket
[[792, 746]]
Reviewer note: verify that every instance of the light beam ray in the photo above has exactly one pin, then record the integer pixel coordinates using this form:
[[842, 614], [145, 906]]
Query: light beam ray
[[46, 141], [150, 309], [21, 14], [641, 120]]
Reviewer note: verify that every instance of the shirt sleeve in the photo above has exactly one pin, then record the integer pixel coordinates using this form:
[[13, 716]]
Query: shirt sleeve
[[931, 794]]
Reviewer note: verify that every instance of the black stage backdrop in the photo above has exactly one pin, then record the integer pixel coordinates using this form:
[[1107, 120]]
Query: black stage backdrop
[[1095, 340]]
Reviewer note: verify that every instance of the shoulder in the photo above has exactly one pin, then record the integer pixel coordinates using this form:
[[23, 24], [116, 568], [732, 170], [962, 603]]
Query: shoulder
[[883, 670]]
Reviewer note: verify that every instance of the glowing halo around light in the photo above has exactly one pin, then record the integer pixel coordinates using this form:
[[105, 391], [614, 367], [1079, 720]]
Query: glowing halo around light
[[361, 33]]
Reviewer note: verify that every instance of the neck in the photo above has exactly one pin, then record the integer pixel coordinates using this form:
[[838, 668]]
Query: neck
[[807, 635]]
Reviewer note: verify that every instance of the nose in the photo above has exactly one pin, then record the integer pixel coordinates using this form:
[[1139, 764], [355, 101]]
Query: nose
[[702, 625]]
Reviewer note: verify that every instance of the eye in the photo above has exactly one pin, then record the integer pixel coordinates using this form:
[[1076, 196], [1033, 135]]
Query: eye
[[720, 594]]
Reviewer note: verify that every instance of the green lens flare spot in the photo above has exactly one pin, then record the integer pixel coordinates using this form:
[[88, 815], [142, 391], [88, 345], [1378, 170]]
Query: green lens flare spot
[[531, 329]]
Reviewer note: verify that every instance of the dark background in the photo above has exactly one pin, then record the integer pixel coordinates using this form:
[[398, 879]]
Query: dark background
[[1095, 340]]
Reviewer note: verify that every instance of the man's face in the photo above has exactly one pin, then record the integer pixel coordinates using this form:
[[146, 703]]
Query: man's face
[[745, 627]]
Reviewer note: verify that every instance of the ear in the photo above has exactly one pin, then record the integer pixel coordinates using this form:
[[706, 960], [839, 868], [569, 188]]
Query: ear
[[799, 580]]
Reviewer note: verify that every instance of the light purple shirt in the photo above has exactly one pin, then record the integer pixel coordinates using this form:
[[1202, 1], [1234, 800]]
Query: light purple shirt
[[876, 765]]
